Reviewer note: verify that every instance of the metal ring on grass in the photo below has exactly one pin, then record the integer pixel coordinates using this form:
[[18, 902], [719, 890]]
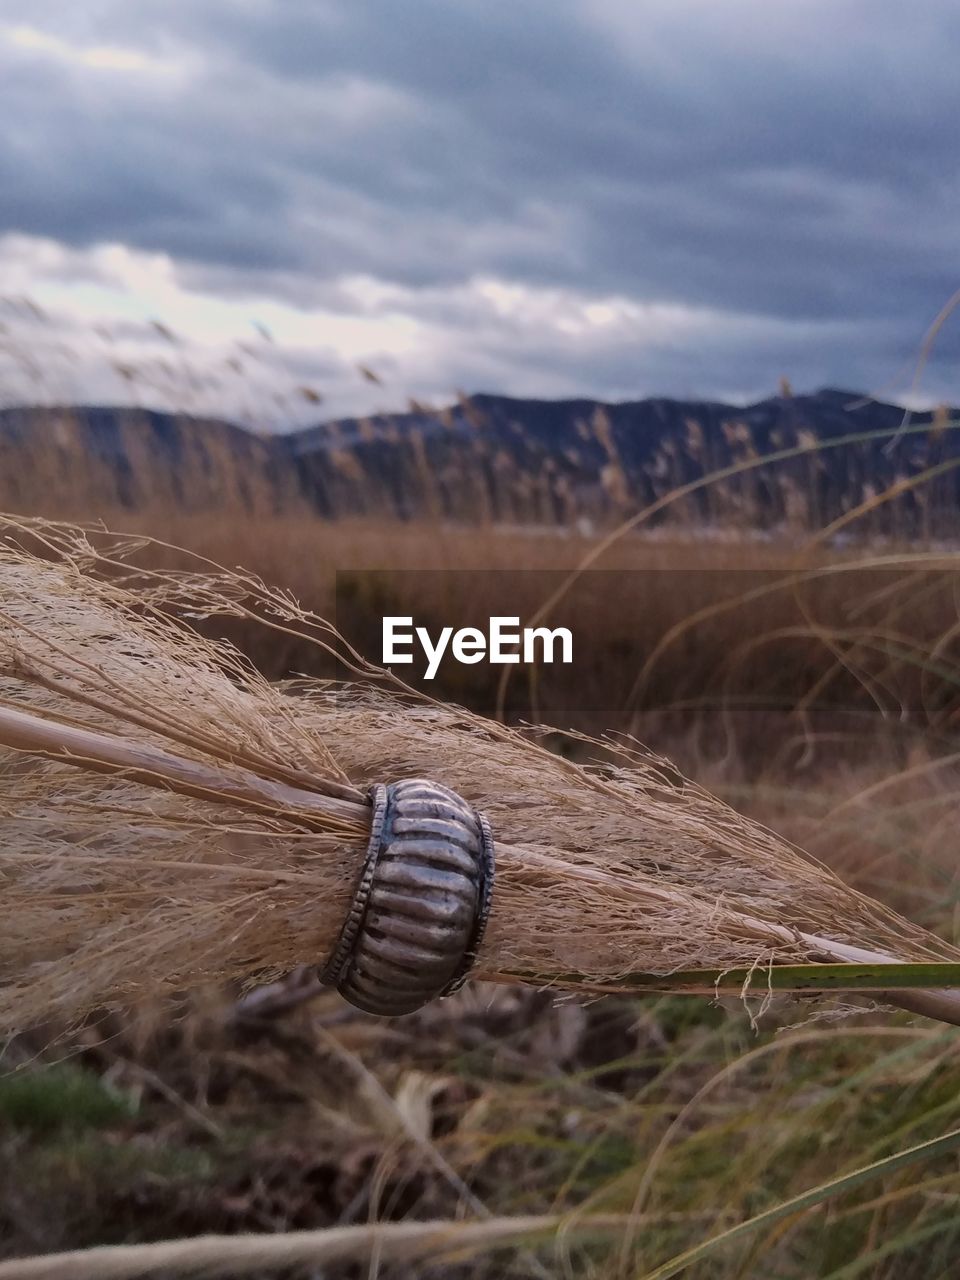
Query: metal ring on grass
[[422, 902]]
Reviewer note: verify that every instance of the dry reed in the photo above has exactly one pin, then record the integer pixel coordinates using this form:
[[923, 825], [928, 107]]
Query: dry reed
[[376, 1244], [214, 825]]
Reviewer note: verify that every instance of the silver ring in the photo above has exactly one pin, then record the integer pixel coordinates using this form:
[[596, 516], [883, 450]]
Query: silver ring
[[422, 902]]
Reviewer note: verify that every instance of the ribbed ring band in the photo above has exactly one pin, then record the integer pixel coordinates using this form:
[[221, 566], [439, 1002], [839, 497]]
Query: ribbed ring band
[[422, 902]]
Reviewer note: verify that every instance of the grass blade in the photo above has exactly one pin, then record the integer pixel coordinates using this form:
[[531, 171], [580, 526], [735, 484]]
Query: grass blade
[[807, 1200], [795, 977]]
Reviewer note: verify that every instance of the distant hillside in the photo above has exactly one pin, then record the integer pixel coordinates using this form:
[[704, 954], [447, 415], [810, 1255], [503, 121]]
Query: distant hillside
[[84, 460], [493, 457]]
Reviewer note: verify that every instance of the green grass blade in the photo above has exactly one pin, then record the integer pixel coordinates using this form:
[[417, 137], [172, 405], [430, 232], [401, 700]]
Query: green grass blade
[[807, 1200], [920, 976]]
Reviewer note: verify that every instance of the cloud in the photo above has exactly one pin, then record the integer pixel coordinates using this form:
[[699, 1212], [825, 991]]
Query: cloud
[[738, 191]]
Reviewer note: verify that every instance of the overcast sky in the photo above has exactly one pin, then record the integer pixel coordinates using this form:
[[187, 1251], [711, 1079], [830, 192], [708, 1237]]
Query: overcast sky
[[540, 197]]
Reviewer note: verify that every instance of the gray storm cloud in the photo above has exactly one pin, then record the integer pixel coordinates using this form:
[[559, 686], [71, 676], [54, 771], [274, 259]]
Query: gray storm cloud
[[787, 175]]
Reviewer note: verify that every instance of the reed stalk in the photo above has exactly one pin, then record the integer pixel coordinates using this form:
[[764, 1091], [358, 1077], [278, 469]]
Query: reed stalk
[[168, 818]]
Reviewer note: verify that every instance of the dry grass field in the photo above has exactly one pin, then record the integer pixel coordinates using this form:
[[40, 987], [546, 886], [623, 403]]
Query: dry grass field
[[816, 691]]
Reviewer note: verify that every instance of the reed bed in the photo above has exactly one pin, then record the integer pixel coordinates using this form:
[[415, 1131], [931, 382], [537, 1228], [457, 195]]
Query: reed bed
[[169, 818]]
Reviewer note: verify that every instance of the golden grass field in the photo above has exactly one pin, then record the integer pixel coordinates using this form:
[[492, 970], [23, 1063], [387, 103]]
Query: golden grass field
[[814, 691]]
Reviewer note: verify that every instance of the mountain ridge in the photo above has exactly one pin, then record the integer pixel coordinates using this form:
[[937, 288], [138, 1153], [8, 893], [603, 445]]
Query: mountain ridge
[[490, 456]]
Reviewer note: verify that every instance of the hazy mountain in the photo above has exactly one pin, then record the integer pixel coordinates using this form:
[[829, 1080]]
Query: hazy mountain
[[498, 457], [79, 461]]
